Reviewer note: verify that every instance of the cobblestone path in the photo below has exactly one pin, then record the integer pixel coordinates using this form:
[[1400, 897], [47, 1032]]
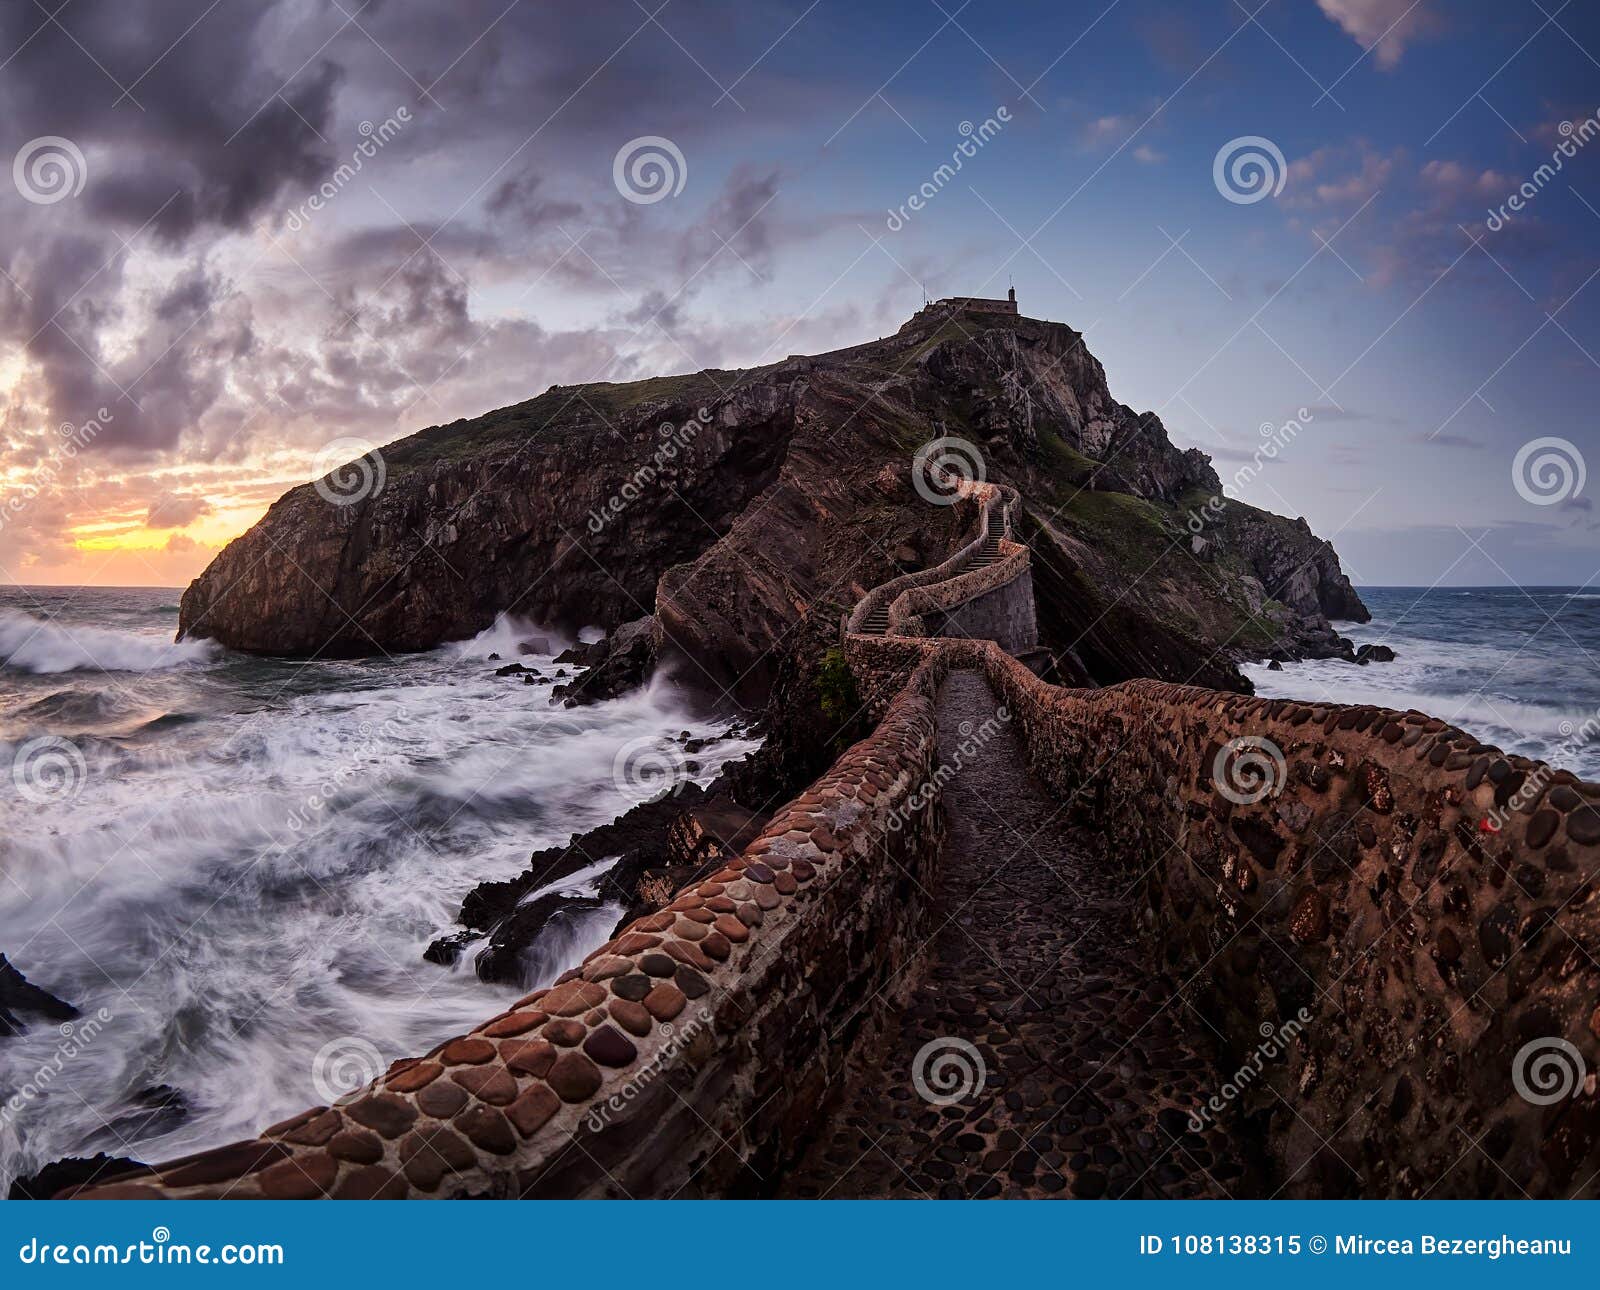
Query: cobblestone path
[[1089, 1068]]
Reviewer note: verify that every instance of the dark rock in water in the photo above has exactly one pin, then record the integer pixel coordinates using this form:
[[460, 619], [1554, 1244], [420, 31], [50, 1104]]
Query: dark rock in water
[[446, 950], [511, 669], [658, 846], [586, 655], [1374, 654], [1274, 666], [154, 1110], [73, 1171], [502, 958], [19, 995], [617, 664], [494, 658]]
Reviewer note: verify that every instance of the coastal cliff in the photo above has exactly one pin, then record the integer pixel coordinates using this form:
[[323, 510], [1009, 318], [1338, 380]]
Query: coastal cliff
[[732, 505]]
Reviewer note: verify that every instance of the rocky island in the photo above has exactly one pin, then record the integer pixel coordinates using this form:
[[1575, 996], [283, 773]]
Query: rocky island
[[786, 495]]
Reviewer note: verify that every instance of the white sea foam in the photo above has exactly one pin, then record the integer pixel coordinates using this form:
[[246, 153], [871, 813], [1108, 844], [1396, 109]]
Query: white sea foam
[[242, 887], [37, 645]]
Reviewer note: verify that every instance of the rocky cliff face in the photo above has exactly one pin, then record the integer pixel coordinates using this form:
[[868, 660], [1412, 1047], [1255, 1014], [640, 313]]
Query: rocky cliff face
[[738, 506]]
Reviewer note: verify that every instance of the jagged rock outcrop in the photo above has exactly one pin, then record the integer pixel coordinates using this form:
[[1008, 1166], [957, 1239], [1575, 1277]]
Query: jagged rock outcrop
[[19, 997], [785, 495]]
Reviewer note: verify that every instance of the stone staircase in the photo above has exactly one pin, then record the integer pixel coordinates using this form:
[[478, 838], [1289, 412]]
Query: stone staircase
[[987, 554], [877, 621], [875, 614]]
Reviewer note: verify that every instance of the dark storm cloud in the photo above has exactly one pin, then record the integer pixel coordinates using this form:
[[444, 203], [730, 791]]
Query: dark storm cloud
[[204, 122], [205, 134]]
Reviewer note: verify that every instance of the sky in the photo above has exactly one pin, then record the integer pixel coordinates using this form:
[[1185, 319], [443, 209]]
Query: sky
[[239, 236]]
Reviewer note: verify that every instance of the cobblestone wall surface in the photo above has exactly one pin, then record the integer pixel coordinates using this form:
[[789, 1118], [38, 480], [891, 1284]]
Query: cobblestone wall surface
[[1427, 900]]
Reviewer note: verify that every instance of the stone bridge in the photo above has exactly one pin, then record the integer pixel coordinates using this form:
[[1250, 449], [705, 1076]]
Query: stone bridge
[[1142, 941]]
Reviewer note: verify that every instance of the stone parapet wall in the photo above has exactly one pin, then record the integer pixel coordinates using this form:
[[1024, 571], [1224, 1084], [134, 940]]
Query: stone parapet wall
[[991, 603], [1429, 902], [997, 503], [691, 1055]]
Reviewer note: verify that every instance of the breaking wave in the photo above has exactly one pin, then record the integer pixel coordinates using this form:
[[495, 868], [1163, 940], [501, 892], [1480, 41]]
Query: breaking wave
[[43, 647]]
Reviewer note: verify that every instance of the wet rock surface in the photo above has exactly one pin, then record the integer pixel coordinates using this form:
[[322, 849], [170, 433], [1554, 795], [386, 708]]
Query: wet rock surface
[[71, 1172], [21, 1000], [655, 848], [1089, 1068]]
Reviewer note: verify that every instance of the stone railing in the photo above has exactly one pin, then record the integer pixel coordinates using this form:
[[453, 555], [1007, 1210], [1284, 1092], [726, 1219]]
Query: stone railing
[[907, 614], [996, 502], [1422, 906], [688, 1056]]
